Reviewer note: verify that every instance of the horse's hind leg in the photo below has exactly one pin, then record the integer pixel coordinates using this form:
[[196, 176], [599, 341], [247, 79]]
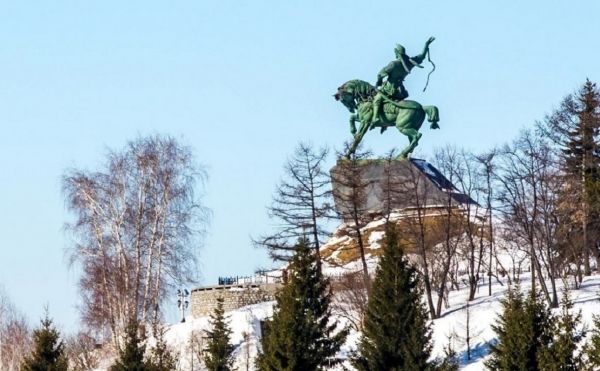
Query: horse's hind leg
[[413, 137], [408, 123]]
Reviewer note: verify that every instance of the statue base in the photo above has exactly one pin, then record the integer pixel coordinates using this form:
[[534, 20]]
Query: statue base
[[375, 188]]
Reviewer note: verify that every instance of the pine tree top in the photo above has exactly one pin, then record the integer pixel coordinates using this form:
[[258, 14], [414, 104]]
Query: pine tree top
[[396, 332], [160, 358], [524, 331], [131, 357], [301, 335], [48, 350], [219, 350]]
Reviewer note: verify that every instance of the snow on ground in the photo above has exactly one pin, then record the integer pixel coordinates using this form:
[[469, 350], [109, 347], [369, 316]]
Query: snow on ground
[[449, 329], [375, 238], [334, 270], [245, 326], [483, 312]]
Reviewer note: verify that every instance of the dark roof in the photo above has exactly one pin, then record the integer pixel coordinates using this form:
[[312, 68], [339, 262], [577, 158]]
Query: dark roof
[[441, 181], [434, 174]]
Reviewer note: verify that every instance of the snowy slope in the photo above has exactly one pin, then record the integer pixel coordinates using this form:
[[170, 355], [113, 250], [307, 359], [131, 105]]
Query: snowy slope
[[483, 313], [245, 320]]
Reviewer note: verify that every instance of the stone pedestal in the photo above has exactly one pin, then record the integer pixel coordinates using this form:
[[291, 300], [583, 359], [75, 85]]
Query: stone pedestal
[[380, 186]]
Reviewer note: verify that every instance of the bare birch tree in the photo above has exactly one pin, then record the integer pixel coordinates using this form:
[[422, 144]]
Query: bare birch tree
[[526, 176], [15, 335], [469, 181], [137, 224], [82, 353], [449, 161], [350, 299]]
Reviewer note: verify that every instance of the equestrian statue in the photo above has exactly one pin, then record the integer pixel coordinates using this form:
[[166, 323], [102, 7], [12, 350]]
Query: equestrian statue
[[385, 104]]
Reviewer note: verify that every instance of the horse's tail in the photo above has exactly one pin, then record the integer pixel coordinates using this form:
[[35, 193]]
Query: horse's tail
[[433, 116]]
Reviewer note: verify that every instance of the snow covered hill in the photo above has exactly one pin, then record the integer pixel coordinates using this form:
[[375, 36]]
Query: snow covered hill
[[245, 324]]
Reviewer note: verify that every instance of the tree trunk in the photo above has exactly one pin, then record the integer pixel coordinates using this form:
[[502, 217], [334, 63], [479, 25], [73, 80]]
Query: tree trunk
[[586, 249], [425, 265], [361, 247]]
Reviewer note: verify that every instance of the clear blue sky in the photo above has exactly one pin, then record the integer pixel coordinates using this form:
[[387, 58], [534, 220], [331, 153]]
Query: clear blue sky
[[242, 82]]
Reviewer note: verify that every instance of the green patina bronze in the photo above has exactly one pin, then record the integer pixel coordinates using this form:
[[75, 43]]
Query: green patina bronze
[[387, 105]]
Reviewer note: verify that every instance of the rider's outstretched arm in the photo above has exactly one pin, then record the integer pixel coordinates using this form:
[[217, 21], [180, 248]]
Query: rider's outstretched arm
[[421, 57]]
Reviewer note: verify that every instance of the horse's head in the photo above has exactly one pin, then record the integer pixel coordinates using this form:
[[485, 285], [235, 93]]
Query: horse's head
[[346, 96]]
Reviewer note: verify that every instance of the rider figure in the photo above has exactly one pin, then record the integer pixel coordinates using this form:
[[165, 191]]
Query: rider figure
[[396, 71]]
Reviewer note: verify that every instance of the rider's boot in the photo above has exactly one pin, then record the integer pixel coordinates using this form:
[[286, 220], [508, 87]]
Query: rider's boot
[[376, 106]]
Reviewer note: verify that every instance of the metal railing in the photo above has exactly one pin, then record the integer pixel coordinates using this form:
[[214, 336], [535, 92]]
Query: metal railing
[[248, 280]]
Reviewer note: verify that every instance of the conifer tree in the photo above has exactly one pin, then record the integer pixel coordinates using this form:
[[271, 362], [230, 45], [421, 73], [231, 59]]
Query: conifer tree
[[450, 361], [131, 357], [218, 355], [592, 347], [506, 328], [161, 358], [300, 336], [48, 350], [560, 354], [575, 128], [396, 333], [301, 204], [523, 332]]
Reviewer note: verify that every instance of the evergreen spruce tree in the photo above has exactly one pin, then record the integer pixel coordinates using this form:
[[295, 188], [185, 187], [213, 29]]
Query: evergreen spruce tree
[[131, 358], [301, 337], [582, 160], [523, 331], [218, 355], [161, 358], [575, 128], [560, 354], [450, 363], [396, 333], [592, 347], [509, 342], [48, 350], [450, 360]]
